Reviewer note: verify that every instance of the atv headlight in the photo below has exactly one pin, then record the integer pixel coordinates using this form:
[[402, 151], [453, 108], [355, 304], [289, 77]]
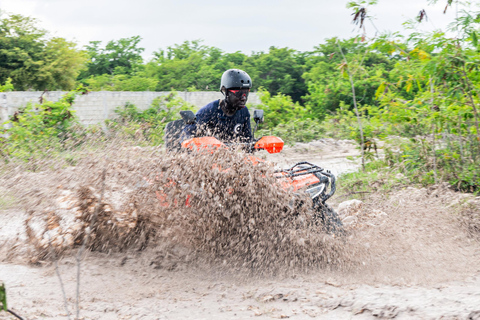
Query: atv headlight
[[315, 191]]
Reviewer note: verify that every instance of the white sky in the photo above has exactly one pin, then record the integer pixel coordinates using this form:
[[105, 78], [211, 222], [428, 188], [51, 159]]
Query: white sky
[[246, 26]]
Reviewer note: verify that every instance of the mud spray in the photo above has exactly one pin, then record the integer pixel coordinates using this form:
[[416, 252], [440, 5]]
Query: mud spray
[[217, 207]]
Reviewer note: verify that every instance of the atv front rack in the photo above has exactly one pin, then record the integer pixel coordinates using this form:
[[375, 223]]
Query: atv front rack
[[305, 168]]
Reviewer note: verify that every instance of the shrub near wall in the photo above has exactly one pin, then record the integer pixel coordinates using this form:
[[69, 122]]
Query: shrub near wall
[[40, 130], [148, 125]]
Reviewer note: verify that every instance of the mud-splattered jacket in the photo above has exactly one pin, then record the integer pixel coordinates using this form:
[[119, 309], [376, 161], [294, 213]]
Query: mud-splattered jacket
[[212, 121]]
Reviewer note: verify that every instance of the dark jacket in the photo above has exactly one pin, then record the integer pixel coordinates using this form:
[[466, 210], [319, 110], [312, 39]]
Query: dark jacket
[[212, 121]]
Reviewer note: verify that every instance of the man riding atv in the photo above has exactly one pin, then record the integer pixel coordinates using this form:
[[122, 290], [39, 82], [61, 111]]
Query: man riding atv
[[228, 119]]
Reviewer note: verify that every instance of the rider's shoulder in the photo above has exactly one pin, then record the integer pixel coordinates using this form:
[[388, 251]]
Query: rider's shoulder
[[210, 107]]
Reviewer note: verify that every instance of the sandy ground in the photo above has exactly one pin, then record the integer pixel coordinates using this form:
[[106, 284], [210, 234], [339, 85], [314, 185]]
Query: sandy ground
[[415, 261]]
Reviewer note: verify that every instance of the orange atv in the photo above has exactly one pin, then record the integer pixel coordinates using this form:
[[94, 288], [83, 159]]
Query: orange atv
[[317, 182]]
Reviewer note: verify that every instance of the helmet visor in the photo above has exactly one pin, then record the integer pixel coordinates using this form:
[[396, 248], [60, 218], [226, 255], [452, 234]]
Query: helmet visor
[[239, 93]]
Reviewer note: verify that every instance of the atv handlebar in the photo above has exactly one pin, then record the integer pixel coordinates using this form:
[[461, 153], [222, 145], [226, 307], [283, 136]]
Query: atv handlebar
[[333, 186], [269, 143]]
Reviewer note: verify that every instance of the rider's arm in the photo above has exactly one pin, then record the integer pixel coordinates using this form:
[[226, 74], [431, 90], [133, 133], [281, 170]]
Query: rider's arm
[[188, 132]]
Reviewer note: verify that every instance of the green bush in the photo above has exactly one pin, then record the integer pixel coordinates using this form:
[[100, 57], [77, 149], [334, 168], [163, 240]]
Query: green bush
[[280, 109], [40, 130], [296, 131], [287, 119], [8, 86], [421, 162], [147, 126]]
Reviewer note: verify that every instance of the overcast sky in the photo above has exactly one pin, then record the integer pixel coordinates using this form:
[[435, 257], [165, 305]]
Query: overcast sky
[[248, 25]]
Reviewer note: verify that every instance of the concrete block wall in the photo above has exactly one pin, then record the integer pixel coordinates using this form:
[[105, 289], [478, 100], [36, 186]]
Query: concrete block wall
[[95, 107]]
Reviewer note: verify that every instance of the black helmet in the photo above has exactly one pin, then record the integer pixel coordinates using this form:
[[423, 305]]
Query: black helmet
[[235, 78]]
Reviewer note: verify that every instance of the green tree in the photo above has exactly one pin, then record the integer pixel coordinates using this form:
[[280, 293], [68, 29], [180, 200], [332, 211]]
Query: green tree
[[328, 82], [21, 48], [62, 65], [34, 61], [278, 71], [123, 56], [191, 66]]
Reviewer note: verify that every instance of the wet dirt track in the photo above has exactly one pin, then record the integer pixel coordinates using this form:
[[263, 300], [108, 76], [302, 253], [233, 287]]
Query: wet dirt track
[[414, 262]]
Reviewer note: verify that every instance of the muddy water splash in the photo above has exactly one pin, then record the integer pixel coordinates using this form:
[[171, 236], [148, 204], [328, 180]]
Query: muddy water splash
[[218, 206], [224, 207]]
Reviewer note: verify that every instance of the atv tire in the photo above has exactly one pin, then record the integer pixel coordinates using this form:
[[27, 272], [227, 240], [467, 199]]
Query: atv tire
[[328, 218]]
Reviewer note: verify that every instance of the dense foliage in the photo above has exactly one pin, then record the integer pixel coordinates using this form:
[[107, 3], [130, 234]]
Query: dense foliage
[[423, 89], [41, 129], [428, 100], [32, 60], [147, 126]]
